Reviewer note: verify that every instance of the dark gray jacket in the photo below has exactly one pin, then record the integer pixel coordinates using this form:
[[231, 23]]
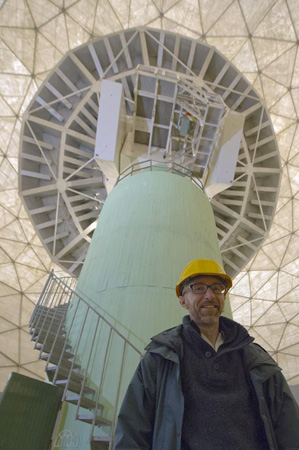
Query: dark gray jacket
[[151, 415]]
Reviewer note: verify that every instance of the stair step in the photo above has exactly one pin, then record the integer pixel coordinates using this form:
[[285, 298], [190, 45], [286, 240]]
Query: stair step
[[40, 317], [42, 332], [44, 322], [101, 438], [56, 354], [56, 351], [50, 339], [85, 402], [49, 323], [51, 312], [75, 387], [100, 442], [89, 418], [48, 345], [47, 308], [63, 372], [64, 362], [51, 334]]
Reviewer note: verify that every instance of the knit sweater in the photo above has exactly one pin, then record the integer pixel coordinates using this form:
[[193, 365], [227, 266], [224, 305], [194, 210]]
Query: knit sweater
[[221, 411]]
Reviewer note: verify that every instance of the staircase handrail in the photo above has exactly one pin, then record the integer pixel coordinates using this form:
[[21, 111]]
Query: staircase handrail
[[52, 274], [51, 311]]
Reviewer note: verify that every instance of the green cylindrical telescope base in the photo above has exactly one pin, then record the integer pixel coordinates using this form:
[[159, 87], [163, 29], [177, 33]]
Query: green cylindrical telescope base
[[151, 226]]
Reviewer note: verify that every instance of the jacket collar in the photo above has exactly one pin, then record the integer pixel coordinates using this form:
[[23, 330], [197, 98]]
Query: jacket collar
[[235, 335], [169, 344]]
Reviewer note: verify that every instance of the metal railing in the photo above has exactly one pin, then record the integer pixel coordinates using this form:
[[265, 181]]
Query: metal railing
[[150, 165], [84, 353]]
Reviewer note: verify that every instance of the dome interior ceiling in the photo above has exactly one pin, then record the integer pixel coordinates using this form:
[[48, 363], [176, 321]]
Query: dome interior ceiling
[[261, 39]]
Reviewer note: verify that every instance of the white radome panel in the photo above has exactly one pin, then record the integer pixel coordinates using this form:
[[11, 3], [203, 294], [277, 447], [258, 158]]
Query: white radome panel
[[261, 39]]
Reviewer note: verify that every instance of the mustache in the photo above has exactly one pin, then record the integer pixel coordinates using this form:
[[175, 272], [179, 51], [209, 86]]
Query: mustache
[[202, 304]]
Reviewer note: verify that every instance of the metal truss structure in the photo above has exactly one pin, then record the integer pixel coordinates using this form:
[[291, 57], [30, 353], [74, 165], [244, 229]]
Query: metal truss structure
[[177, 91]]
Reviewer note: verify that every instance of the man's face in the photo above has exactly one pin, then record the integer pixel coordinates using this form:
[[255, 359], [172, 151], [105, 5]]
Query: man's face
[[203, 308]]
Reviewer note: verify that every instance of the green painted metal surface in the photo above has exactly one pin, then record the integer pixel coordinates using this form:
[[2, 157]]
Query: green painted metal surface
[[28, 411], [151, 226]]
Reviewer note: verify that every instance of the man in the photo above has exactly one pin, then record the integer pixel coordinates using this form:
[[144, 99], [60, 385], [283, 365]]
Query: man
[[204, 385]]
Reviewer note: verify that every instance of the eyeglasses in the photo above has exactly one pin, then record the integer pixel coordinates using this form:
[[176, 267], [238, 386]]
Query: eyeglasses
[[201, 288]]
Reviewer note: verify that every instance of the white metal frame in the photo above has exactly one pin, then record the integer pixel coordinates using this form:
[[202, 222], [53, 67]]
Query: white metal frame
[[62, 187]]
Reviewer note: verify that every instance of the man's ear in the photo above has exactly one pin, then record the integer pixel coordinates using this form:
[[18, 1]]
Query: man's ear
[[183, 302]]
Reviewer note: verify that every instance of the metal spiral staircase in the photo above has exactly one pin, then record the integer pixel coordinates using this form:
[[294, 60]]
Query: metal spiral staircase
[[59, 325]]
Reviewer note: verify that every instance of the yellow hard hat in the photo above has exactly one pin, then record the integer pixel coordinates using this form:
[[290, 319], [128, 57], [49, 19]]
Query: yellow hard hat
[[203, 267]]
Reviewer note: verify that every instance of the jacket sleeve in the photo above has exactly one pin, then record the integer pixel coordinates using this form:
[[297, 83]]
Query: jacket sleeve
[[134, 428], [284, 412]]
